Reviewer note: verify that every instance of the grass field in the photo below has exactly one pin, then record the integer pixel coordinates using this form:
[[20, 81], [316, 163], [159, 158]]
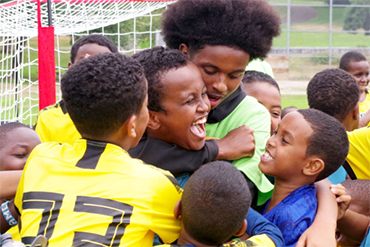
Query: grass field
[[299, 101]]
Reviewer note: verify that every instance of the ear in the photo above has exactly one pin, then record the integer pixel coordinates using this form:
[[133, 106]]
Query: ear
[[185, 49], [177, 210], [242, 229], [131, 126], [356, 112], [69, 64], [314, 166], [154, 122]]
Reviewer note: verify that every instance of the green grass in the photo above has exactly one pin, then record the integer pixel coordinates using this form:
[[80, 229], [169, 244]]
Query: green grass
[[299, 101]]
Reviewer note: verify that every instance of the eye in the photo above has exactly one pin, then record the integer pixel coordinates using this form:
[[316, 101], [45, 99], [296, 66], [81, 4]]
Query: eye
[[20, 155], [274, 132], [284, 140], [190, 101], [275, 114], [209, 72], [235, 76]]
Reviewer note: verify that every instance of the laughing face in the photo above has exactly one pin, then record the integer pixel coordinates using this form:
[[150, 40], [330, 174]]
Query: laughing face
[[222, 70], [360, 71], [285, 154], [186, 108]]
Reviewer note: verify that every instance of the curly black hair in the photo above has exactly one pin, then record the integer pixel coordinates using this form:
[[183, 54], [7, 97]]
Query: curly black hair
[[101, 92], [216, 188], [157, 61], [252, 76], [92, 39], [248, 25], [334, 92], [7, 127], [348, 57], [329, 140]]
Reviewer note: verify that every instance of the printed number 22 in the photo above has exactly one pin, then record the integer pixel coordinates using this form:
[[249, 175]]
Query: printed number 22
[[51, 203]]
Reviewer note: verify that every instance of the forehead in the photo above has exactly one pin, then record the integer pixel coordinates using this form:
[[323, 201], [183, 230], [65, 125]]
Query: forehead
[[358, 65], [91, 49], [21, 136], [263, 91], [295, 123], [182, 80], [224, 57]]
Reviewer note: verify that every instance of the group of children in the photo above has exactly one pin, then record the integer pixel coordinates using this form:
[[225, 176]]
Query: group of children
[[123, 153]]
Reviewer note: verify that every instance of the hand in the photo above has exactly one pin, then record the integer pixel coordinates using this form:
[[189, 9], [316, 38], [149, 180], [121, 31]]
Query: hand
[[343, 199], [236, 144], [318, 236], [365, 119]]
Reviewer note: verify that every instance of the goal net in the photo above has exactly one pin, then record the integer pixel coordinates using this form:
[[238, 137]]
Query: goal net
[[132, 25]]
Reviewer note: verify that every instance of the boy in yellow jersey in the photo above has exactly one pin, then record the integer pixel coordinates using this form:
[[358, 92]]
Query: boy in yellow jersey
[[53, 122], [213, 208], [356, 64], [93, 193]]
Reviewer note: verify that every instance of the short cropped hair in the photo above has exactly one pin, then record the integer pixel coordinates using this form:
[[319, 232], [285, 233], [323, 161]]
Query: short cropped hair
[[329, 140], [215, 203], [252, 76], [359, 191], [334, 92], [348, 57], [5, 128], [92, 39], [248, 25], [156, 62], [101, 92]]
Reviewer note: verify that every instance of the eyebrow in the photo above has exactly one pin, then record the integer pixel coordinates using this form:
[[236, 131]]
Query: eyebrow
[[288, 134], [235, 71]]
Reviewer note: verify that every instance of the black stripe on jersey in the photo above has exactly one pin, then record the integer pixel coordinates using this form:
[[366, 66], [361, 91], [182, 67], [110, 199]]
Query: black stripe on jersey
[[63, 107], [174, 182], [92, 155], [349, 170]]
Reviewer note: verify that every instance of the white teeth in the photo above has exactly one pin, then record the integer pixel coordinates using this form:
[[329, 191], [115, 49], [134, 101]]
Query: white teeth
[[201, 121], [267, 156]]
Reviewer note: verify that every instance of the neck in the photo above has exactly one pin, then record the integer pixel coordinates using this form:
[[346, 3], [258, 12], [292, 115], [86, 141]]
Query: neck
[[185, 238]]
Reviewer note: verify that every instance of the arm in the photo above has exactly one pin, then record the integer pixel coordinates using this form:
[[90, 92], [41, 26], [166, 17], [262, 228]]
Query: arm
[[322, 230], [365, 119], [236, 144], [9, 183], [4, 226], [354, 225], [257, 225]]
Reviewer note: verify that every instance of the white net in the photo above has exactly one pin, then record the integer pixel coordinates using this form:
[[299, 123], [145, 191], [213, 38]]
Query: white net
[[131, 25]]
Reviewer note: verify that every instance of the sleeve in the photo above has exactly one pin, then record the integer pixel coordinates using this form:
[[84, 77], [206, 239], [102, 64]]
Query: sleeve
[[262, 240], [164, 223], [173, 158], [41, 128], [257, 225]]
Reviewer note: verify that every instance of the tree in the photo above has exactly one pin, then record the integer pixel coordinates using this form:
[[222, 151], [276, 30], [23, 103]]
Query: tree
[[357, 17]]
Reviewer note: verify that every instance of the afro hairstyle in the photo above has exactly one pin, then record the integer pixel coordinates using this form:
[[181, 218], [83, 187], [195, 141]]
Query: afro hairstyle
[[348, 57], [334, 92], [156, 62], [329, 140], [92, 39], [247, 25], [101, 92], [215, 202]]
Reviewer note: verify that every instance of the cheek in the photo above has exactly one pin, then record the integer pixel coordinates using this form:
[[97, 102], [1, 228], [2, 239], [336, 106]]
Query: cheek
[[274, 122], [12, 163]]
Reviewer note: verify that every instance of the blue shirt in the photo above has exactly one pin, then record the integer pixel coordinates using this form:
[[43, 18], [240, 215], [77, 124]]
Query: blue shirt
[[295, 213], [366, 241], [338, 176]]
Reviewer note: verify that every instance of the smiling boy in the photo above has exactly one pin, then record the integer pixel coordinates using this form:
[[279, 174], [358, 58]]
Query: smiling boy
[[308, 146]]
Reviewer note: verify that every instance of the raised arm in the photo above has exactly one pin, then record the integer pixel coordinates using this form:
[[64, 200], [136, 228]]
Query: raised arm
[[9, 182]]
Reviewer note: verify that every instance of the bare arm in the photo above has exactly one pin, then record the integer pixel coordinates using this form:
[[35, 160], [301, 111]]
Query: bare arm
[[9, 182], [236, 144], [322, 230], [365, 119], [354, 225], [4, 226]]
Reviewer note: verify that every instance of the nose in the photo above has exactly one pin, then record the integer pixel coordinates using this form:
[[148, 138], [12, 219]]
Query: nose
[[271, 141], [204, 105], [221, 84]]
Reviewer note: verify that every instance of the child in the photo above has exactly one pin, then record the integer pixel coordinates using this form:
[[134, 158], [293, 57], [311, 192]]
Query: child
[[287, 110], [53, 122], [336, 93], [17, 140], [307, 147], [265, 89], [209, 33], [360, 203], [356, 64], [107, 198], [216, 189], [178, 108]]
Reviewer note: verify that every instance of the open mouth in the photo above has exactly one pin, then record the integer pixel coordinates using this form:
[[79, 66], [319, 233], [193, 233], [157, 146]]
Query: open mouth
[[214, 99], [266, 156], [198, 127]]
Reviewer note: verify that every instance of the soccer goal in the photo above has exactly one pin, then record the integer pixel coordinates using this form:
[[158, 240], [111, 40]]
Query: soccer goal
[[132, 25]]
